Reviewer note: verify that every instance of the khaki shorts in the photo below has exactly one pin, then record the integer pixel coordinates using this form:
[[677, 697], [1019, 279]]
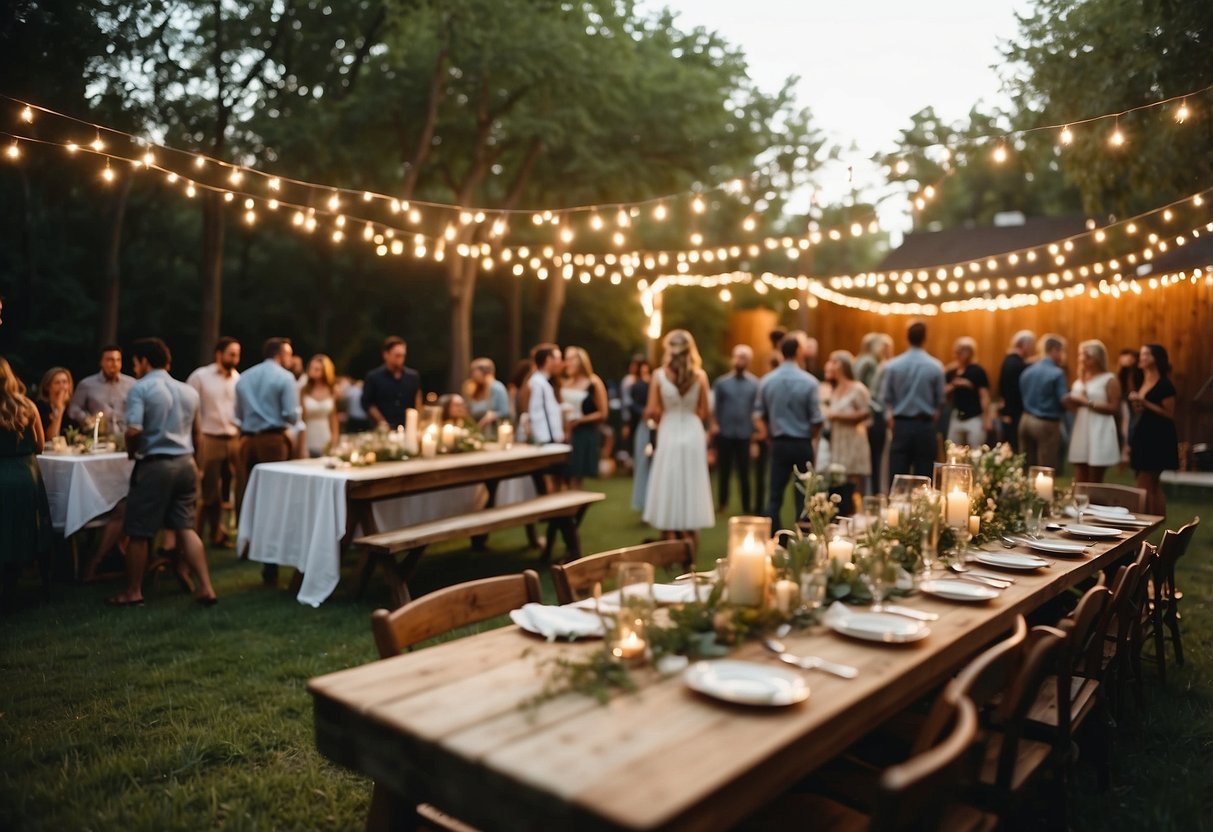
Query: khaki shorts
[[163, 494]]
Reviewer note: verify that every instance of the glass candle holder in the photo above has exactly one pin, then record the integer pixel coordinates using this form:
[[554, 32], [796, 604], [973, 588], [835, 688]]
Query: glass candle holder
[[929, 503], [905, 486], [628, 642], [749, 560], [956, 484], [874, 508], [840, 546]]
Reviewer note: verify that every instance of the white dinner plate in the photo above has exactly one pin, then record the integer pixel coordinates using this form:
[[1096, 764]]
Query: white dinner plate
[[1083, 530], [746, 683], [958, 590], [875, 626], [1056, 547], [1009, 560]]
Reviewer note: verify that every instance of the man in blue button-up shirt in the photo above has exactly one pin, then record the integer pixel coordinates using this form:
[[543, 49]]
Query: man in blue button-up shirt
[[788, 405], [912, 392], [267, 403], [1043, 386], [161, 414]]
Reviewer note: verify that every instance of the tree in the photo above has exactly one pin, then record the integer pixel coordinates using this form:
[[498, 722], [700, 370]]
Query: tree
[[1076, 58]]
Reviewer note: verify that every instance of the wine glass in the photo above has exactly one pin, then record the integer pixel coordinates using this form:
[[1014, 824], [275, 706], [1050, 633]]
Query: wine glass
[[876, 575], [1081, 500]]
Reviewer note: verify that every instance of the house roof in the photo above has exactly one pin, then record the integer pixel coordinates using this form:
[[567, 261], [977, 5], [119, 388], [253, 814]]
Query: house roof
[[922, 249]]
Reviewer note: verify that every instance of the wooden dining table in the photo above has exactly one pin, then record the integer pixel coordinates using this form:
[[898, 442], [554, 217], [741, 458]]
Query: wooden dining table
[[450, 725]]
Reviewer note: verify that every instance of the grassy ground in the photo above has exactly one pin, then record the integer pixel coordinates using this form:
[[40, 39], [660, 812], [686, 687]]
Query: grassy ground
[[172, 716]]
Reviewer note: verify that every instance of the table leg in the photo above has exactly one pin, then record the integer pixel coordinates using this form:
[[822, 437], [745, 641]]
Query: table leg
[[360, 514], [480, 541], [390, 813]]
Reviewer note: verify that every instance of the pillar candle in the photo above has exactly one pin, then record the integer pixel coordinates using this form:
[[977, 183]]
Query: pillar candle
[[840, 551], [893, 517], [974, 524], [448, 437], [410, 431], [956, 511], [747, 574], [505, 435], [786, 593], [1044, 487], [429, 444]]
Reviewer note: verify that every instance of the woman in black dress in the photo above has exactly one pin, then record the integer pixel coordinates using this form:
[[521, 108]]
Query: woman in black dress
[[1154, 445]]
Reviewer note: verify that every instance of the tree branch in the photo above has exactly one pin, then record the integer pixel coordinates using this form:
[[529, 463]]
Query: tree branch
[[429, 125], [363, 52]]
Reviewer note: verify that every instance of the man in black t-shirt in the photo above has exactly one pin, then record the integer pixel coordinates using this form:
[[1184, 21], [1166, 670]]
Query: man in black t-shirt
[[390, 390], [1023, 345], [969, 389]]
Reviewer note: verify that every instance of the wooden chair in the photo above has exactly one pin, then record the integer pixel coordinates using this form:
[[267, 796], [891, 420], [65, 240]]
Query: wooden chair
[[1164, 595], [1108, 494], [575, 580], [1109, 656], [447, 609], [912, 795], [1066, 703], [424, 618]]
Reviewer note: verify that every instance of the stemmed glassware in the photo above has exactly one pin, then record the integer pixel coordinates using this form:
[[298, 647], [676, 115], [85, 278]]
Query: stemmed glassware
[[877, 574], [1081, 501]]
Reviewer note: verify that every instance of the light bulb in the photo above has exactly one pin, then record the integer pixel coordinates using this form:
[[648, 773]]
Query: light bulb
[[596, 222], [235, 176], [1000, 154], [659, 213], [190, 190], [228, 196], [250, 217], [27, 115], [414, 216], [697, 205], [338, 236], [272, 205], [367, 196], [1181, 112], [248, 204], [537, 219], [621, 219], [72, 147], [108, 173], [333, 202], [726, 295], [566, 234], [96, 144], [696, 239], [1117, 139], [200, 162], [1066, 136], [13, 152], [149, 159], [748, 224]]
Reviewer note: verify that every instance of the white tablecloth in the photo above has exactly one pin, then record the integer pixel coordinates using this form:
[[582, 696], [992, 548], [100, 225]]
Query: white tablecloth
[[294, 514], [83, 486]]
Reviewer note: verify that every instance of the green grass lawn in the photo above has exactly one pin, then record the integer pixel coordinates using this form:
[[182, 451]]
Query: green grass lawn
[[173, 716]]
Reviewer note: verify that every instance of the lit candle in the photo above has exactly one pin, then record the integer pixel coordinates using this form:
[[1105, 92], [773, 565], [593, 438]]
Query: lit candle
[[429, 444], [629, 646], [747, 574], [840, 551], [1044, 486], [97, 428], [355, 458], [893, 517], [956, 511], [786, 593], [448, 437], [410, 431], [974, 524], [505, 435]]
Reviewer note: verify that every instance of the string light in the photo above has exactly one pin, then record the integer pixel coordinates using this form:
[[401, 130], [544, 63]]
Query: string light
[[235, 176], [72, 147], [659, 213], [1067, 137], [108, 173], [200, 163], [1182, 112], [1000, 154], [27, 114], [97, 144], [13, 151], [698, 205], [748, 224], [1117, 139]]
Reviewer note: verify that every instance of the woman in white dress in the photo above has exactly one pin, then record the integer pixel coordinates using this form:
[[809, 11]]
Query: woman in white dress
[[319, 405], [1095, 400], [679, 498]]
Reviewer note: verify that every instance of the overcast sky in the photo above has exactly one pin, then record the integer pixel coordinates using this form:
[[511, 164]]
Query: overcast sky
[[865, 66]]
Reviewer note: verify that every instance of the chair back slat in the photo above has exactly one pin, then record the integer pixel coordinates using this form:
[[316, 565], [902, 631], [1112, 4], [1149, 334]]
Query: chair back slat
[[1110, 494], [1173, 546], [1080, 630], [447, 609], [981, 682], [575, 580], [914, 794]]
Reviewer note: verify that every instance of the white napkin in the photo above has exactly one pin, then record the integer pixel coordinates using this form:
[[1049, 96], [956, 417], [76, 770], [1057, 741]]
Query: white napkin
[[665, 594], [1102, 513], [557, 622], [837, 613], [1121, 510]]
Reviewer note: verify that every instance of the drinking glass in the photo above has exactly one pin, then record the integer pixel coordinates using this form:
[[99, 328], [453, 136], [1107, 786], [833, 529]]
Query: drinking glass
[[877, 576], [905, 486], [1081, 501], [1033, 517], [813, 585], [874, 511], [635, 584]]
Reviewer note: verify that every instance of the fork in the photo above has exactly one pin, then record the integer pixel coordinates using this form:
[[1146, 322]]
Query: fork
[[980, 577], [809, 662]]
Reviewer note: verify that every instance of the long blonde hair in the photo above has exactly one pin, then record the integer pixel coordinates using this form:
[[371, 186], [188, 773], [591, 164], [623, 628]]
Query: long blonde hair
[[680, 359], [330, 373], [16, 411]]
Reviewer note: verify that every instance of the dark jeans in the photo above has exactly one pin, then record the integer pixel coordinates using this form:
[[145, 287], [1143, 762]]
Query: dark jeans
[[787, 454], [760, 478], [730, 452], [876, 440], [1010, 431], [913, 448]]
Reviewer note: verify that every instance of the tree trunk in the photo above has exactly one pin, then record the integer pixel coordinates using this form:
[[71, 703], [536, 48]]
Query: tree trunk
[[461, 275], [553, 305], [513, 298], [211, 276], [113, 272]]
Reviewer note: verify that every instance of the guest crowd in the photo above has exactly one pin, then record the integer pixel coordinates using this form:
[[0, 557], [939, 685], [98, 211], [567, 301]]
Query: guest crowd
[[871, 415]]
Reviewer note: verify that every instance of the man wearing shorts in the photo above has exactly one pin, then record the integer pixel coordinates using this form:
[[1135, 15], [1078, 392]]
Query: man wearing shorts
[[160, 419]]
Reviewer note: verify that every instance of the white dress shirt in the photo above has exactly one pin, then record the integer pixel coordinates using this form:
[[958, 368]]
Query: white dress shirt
[[547, 420], [217, 392]]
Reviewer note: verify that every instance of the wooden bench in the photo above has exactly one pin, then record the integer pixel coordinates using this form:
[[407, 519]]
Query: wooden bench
[[563, 511]]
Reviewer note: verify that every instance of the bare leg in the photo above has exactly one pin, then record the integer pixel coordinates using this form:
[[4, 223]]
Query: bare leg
[[195, 557], [1096, 473], [111, 533], [1082, 472], [575, 483], [136, 562]]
